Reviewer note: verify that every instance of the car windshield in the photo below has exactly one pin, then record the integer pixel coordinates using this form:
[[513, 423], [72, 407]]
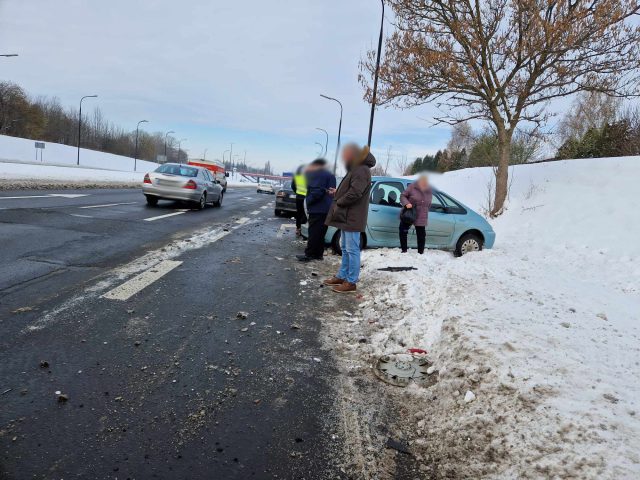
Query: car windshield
[[286, 186], [181, 170]]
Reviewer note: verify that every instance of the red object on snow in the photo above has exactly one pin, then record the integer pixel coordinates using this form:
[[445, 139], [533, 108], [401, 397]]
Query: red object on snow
[[417, 350]]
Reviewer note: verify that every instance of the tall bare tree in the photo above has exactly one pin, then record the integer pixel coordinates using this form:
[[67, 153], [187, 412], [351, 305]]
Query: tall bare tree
[[502, 61]]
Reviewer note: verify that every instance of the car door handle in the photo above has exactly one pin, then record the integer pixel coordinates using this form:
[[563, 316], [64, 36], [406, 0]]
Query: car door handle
[[375, 210]]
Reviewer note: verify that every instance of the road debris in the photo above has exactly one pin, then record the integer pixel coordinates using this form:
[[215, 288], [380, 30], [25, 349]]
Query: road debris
[[242, 315], [398, 446], [400, 369], [469, 396], [22, 310], [44, 364]]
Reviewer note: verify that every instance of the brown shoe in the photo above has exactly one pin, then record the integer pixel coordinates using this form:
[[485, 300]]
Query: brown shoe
[[333, 281], [346, 287]]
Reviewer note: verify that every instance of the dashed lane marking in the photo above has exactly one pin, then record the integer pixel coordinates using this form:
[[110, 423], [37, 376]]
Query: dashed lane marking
[[80, 216], [109, 205], [264, 206], [138, 283], [255, 212], [51, 195], [160, 217]]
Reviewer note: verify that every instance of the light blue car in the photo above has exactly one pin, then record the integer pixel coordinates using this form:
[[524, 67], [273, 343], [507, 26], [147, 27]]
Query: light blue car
[[452, 225]]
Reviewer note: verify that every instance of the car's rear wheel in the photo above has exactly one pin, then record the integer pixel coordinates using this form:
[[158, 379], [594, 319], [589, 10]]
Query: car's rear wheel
[[202, 203], [469, 242], [337, 248], [151, 200], [219, 202], [278, 213]]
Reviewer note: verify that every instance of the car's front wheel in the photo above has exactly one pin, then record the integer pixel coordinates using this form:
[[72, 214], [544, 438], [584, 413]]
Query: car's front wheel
[[469, 242], [337, 248], [151, 200]]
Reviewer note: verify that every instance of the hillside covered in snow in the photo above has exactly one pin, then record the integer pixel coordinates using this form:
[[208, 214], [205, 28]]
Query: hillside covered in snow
[[543, 330]]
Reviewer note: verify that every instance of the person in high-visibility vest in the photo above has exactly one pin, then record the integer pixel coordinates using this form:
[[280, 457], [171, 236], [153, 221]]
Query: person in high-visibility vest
[[299, 185]]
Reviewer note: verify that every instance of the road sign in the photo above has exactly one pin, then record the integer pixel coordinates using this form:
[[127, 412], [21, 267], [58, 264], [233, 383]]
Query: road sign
[[39, 146]]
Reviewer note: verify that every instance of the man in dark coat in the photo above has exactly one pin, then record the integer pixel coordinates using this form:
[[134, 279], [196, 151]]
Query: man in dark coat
[[349, 213], [319, 183]]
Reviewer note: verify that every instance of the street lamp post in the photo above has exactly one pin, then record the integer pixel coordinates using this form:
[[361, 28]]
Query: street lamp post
[[179, 146], [231, 154], [326, 143], [80, 123], [165, 144], [335, 162], [204, 157], [375, 78], [223, 154], [135, 157]]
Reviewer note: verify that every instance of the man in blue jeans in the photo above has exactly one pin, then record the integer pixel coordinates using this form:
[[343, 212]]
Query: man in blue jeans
[[349, 212]]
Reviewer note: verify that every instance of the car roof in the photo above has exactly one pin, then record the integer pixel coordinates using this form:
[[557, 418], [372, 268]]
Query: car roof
[[398, 179]]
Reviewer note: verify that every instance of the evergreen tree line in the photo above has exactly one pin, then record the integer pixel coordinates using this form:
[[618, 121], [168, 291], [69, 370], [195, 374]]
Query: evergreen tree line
[[467, 149], [608, 133]]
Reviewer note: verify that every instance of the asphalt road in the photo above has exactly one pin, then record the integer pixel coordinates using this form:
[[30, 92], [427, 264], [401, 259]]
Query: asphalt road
[[131, 313]]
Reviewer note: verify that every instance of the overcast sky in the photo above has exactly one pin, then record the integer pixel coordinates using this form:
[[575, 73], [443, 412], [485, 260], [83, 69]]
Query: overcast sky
[[246, 71]]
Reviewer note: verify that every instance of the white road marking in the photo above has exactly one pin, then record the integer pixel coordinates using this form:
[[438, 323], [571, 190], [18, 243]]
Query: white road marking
[[153, 219], [129, 288], [242, 221], [170, 251], [283, 229], [51, 195], [264, 206], [255, 212], [81, 216], [109, 205], [69, 195]]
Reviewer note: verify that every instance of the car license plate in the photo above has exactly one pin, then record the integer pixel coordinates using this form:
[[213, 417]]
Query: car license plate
[[292, 195]]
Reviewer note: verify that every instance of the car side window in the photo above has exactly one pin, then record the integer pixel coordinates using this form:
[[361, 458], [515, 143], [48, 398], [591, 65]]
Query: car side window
[[451, 204], [387, 194], [436, 204]]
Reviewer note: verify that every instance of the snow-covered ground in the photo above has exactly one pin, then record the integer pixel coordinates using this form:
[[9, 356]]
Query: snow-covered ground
[[544, 329], [59, 164]]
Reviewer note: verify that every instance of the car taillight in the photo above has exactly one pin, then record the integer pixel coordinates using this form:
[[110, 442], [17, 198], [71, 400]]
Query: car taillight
[[147, 178], [191, 185], [280, 194]]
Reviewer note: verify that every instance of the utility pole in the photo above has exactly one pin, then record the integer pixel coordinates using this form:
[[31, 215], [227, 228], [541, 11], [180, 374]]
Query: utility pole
[[80, 123], [166, 159], [375, 78], [335, 162], [135, 156]]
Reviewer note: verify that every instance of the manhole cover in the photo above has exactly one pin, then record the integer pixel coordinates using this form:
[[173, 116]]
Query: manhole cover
[[400, 369]]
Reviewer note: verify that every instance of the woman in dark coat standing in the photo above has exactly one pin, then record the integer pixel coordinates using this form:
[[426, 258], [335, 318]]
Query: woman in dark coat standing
[[418, 195]]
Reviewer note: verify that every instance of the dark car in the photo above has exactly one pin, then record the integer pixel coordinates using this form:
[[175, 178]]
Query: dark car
[[285, 200]]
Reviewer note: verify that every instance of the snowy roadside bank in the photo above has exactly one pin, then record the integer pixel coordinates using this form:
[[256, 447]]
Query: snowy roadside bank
[[544, 330]]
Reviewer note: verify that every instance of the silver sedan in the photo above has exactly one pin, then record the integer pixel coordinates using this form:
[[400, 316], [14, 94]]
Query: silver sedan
[[173, 181]]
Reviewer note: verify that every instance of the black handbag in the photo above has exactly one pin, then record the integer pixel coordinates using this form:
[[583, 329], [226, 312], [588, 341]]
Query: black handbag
[[408, 215]]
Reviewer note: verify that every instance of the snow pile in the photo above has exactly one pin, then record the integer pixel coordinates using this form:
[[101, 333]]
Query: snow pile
[[543, 330]]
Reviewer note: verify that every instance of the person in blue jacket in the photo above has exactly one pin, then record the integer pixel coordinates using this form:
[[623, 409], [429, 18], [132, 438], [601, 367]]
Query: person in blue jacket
[[320, 183]]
